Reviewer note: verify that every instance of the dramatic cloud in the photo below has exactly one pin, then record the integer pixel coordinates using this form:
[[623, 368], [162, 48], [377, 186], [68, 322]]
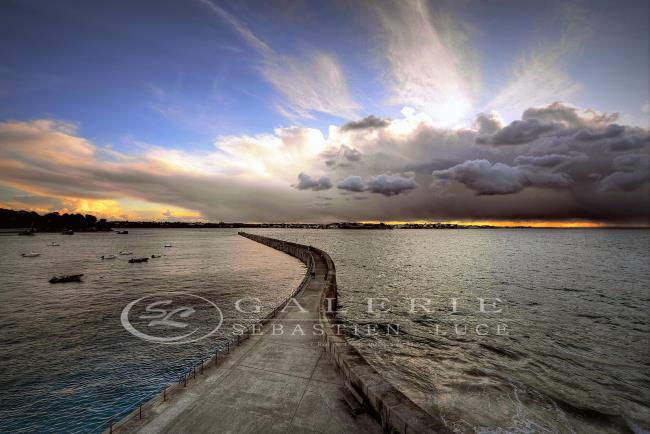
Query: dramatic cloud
[[313, 83], [386, 184], [352, 183], [517, 133], [562, 126], [391, 185], [568, 167], [365, 123], [432, 66], [452, 136], [484, 177], [550, 160], [305, 182], [570, 116], [488, 123], [630, 139], [47, 158], [632, 171]]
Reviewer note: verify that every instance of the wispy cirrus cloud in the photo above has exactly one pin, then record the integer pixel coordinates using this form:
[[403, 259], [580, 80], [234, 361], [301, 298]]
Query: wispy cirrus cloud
[[538, 76], [432, 66], [313, 83]]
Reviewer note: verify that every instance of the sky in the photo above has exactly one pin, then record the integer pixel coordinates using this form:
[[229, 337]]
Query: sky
[[311, 111]]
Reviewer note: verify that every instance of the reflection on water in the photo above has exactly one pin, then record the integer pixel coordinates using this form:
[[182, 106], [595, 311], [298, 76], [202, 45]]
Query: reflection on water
[[575, 303], [66, 362]]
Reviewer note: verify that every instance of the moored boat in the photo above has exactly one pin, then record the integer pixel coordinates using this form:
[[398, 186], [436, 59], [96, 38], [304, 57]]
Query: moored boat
[[168, 245], [66, 278], [125, 253], [108, 257], [137, 260], [156, 256], [68, 232], [30, 255], [122, 232]]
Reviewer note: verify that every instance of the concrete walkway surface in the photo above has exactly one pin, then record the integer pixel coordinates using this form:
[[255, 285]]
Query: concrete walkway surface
[[282, 383]]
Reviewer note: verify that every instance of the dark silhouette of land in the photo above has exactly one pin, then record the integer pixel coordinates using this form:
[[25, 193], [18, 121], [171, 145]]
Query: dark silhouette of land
[[51, 222], [55, 222]]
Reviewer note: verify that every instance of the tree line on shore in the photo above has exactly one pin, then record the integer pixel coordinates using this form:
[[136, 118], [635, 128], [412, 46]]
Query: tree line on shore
[[51, 222], [55, 222]]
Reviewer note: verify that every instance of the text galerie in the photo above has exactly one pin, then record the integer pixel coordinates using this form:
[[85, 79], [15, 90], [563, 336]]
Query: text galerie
[[484, 309]]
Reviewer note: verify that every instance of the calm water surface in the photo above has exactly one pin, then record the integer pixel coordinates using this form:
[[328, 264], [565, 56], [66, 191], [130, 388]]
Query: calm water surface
[[575, 304], [66, 362]]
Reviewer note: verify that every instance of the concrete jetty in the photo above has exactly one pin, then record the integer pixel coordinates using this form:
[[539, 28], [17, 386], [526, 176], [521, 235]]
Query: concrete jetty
[[292, 373]]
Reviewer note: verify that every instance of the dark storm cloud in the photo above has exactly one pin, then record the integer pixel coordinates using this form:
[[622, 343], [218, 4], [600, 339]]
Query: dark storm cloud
[[352, 183], [366, 123], [569, 116], [634, 139], [581, 167], [611, 131], [631, 162], [306, 182], [560, 126], [564, 163], [580, 163], [623, 181], [488, 123], [391, 185], [614, 137], [549, 160], [484, 177], [385, 184], [518, 133], [631, 172]]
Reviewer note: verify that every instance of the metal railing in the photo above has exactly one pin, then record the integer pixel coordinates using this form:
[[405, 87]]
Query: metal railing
[[137, 409]]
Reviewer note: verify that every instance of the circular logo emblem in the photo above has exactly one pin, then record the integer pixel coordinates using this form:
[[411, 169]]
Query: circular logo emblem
[[171, 318]]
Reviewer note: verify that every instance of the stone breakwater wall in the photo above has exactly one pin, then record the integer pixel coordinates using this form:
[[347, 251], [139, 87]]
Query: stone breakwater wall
[[395, 411]]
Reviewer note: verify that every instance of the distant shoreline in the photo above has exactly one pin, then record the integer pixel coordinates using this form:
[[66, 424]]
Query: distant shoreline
[[17, 230], [22, 221]]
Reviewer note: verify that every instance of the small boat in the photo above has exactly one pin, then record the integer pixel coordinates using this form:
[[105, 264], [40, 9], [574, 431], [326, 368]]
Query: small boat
[[122, 232], [30, 255], [156, 256], [68, 278], [168, 245], [108, 257], [125, 253], [137, 260], [54, 245], [68, 232]]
